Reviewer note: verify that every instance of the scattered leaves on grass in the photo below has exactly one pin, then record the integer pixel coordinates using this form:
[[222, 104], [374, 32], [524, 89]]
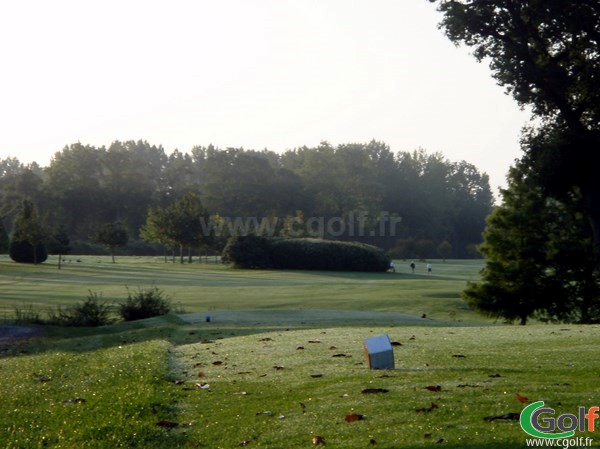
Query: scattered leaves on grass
[[354, 417], [166, 424], [522, 399], [318, 440], [507, 416], [375, 390], [432, 407], [434, 387], [74, 401]]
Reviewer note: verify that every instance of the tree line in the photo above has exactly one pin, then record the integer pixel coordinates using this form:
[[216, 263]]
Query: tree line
[[407, 202]]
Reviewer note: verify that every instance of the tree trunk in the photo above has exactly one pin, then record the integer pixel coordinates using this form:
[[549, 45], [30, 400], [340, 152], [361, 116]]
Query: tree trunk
[[181, 254]]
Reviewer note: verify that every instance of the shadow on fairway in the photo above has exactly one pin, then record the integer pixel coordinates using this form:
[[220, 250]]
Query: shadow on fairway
[[192, 328]]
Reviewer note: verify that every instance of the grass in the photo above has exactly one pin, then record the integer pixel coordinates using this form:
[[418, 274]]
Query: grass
[[273, 371], [209, 287]]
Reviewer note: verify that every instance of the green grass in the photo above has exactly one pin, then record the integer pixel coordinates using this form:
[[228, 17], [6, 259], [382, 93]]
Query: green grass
[[270, 347], [209, 287]]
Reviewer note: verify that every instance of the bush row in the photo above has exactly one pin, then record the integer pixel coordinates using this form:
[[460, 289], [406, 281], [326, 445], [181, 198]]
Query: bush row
[[144, 303], [304, 254]]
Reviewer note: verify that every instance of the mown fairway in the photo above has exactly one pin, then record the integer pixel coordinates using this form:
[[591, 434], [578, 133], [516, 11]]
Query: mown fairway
[[280, 371]]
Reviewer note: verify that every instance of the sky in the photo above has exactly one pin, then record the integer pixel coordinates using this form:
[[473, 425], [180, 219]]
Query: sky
[[274, 74]]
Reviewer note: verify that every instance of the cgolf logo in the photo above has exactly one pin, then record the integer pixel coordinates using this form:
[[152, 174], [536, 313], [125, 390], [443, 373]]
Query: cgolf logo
[[540, 422]]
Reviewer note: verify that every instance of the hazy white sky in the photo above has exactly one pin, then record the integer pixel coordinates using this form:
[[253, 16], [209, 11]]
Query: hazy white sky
[[276, 74]]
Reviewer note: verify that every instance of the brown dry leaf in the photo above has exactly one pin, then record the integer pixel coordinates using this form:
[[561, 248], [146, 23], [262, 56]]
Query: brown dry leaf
[[434, 387], [432, 407], [217, 363], [375, 390], [341, 355], [318, 440], [522, 399], [372, 441], [354, 417], [167, 424]]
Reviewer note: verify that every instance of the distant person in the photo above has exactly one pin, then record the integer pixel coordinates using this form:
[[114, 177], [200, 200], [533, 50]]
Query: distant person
[[429, 268], [392, 267], [412, 266]]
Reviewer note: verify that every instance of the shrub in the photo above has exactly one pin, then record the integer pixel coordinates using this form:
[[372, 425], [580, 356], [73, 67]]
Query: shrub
[[22, 252], [248, 251], [92, 312], [145, 303], [305, 254]]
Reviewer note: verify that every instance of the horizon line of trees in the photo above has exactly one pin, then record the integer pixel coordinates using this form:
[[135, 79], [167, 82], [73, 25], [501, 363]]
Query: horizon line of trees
[[433, 200]]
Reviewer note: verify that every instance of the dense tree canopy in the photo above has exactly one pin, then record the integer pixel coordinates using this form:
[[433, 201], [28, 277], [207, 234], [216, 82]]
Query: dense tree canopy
[[547, 55], [539, 258], [361, 192]]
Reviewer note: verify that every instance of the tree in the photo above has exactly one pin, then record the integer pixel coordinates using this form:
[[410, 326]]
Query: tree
[[185, 223], [156, 228], [112, 235], [444, 249], [539, 260], [4, 240], [546, 53], [28, 236], [59, 244]]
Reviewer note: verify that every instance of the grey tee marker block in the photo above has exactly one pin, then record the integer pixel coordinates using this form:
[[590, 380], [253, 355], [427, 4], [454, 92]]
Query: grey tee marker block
[[379, 352]]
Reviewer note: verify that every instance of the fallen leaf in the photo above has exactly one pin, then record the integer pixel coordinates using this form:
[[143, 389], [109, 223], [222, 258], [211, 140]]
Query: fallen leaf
[[166, 424], [432, 407], [316, 376], [303, 407], [314, 341], [266, 339], [434, 387], [201, 375], [318, 440], [459, 356], [508, 416], [396, 343], [441, 440], [266, 413], [374, 390], [494, 375], [341, 355], [522, 399], [299, 348], [279, 368], [354, 417], [41, 378], [217, 362]]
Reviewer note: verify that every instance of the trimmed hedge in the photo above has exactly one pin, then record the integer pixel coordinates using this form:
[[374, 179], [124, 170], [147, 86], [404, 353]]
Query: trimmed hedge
[[304, 254]]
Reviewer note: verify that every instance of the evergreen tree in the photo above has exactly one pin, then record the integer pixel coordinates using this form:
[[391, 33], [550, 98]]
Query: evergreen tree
[[539, 258]]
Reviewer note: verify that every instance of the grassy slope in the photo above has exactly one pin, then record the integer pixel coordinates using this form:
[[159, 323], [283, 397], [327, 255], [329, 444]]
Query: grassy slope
[[126, 372]]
